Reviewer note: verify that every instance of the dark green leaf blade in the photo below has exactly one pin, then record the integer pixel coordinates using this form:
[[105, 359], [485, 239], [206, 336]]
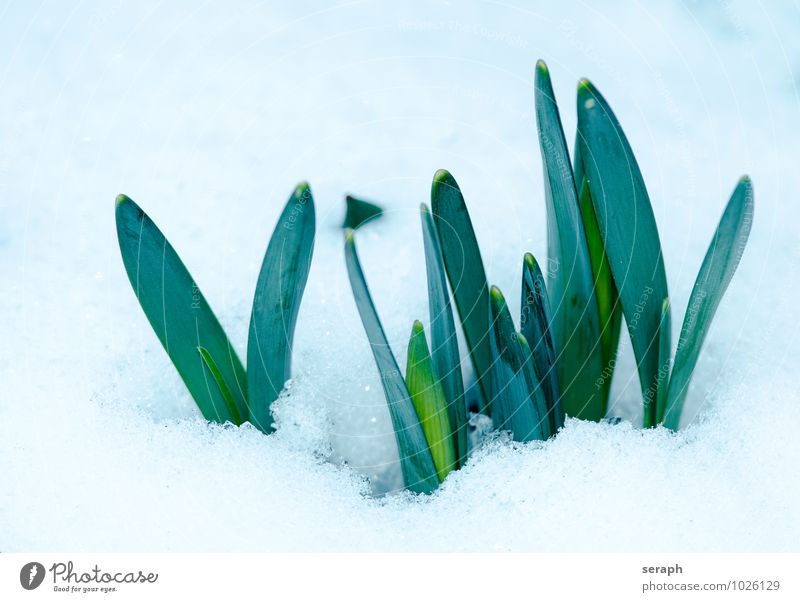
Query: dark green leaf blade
[[358, 211], [178, 313], [219, 381], [535, 320], [576, 323], [719, 265], [444, 344], [464, 267], [664, 359], [276, 303], [515, 409], [419, 471], [626, 222], [609, 309], [535, 387], [429, 402]]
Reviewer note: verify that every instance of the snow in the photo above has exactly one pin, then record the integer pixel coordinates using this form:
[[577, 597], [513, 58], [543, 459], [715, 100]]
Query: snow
[[208, 116]]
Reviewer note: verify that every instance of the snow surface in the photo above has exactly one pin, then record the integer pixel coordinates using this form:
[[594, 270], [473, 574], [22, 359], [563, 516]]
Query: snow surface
[[208, 115]]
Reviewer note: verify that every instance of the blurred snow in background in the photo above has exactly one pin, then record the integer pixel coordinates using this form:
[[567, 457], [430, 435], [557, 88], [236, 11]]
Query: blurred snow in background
[[209, 114]]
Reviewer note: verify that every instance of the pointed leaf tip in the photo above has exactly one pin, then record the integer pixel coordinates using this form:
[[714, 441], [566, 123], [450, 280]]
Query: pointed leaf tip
[[530, 261], [496, 294], [586, 94], [359, 212], [441, 175], [443, 178]]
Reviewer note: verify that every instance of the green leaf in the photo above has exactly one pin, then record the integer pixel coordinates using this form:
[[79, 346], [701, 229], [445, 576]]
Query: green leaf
[[719, 265], [512, 399], [179, 314], [535, 323], [664, 358], [279, 290], [628, 227], [535, 387], [416, 462], [464, 267], [429, 402], [576, 323], [609, 309], [216, 376], [444, 344], [359, 211]]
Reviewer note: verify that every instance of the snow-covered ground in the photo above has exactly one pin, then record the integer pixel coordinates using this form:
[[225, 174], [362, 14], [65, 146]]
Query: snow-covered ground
[[208, 115]]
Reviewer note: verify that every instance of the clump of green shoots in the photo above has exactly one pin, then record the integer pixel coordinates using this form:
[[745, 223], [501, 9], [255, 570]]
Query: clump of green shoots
[[604, 263], [428, 411], [191, 333]]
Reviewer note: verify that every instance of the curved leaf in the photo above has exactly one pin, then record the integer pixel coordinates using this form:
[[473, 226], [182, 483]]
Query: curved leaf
[[429, 402], [626, 222], [513, 397], [664, 359], [535, 323], [464, 267], [279, 290], [719, 265], [444, 344], [216, 376], [576, 322], [419, 471], [609, 310], [535, 388], [179, 314]]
